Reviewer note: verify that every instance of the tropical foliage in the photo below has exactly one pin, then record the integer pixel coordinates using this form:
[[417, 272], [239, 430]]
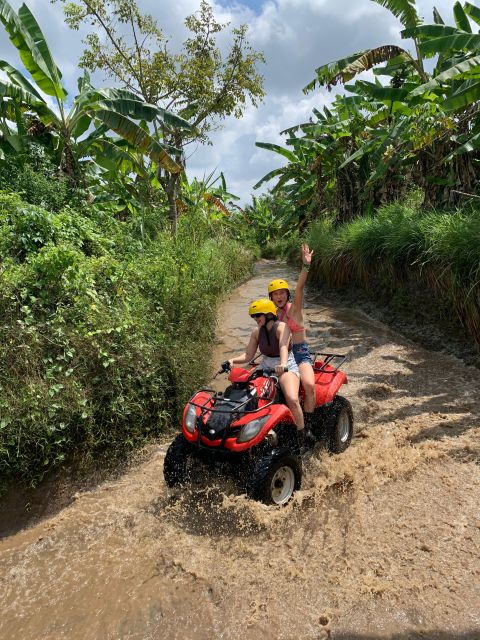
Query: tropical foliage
[[416, 128], [24, 104], [97, 296], [97, 350], [427, 259], [203, 83], [122, 145]]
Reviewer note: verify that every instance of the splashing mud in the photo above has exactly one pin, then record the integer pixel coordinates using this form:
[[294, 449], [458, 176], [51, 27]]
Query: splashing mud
[[382, 541]]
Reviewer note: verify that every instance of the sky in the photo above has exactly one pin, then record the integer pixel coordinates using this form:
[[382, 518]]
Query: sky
[[296, 37]]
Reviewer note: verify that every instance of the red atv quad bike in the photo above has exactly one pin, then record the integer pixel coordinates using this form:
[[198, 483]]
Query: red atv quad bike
[[250, 428]]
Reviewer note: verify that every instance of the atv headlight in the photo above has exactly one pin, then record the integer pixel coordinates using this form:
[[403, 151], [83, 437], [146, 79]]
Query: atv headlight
[[190, 418], [252, 429]]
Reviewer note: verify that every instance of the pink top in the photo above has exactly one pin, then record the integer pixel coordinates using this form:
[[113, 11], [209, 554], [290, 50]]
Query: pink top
[[284, 317]]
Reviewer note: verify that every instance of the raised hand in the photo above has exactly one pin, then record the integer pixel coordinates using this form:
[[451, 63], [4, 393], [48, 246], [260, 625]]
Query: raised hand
[[306, 254]]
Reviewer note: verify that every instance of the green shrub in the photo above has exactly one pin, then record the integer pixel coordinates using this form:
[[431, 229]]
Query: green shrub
[[102, 338], [283, 248], [32, 175]]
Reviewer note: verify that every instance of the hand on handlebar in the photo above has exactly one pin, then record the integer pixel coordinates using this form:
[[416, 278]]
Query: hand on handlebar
[[279, 369], [225, 367]]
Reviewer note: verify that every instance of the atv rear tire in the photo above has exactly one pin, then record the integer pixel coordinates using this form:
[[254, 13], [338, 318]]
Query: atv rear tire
[[274, 477], [175, 466], [339, 425]]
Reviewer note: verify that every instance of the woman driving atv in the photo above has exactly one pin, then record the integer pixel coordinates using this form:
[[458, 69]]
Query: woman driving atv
[[292, 314], [272, 338]]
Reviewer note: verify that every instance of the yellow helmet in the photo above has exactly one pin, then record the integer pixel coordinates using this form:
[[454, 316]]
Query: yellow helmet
[[264, 305], [275, 285]]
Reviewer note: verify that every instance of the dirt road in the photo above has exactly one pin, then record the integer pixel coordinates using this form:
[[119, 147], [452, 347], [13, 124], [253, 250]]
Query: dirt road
[[381, 542]]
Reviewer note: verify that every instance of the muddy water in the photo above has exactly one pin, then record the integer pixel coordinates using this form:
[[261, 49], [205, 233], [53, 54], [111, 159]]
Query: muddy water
[[382, 541]]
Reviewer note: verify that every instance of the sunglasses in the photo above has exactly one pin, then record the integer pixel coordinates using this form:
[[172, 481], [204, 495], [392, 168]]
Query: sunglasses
[[257, 315]]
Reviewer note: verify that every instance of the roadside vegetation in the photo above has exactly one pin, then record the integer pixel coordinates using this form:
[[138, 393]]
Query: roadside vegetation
[[111, 262], [103, 335], [402, 251], [350, 171]]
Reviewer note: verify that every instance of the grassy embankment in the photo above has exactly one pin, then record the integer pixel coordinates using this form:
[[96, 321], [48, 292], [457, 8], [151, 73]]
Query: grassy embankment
[[400, 253], [102, 335], [424, 264]]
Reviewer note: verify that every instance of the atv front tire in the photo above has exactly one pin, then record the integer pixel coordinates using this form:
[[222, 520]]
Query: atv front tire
[[274, 477], [175, 466], [339, 425]]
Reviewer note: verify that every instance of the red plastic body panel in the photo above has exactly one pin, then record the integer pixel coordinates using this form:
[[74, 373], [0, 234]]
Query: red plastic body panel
[[277, 412], [266, 390], [202, 398], [237, 374], [327, 384]]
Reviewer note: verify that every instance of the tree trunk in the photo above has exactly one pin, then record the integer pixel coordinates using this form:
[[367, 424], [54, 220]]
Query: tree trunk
[[170, 183], [70, 167]]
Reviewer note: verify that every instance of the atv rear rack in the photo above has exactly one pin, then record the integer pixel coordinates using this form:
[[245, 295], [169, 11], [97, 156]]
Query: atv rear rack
[[326, 362]]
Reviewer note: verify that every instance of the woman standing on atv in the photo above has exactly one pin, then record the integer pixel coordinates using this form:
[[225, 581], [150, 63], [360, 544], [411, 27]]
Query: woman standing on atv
[[292, 314], [272, 338]]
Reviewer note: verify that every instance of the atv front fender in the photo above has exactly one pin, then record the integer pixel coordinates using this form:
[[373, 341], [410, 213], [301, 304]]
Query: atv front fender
[[279, 413]]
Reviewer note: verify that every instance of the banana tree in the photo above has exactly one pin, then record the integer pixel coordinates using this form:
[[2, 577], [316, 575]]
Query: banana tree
[[209, 196], [107, 109], [317, 177], [427, 114], [295, 178], [345, 69]]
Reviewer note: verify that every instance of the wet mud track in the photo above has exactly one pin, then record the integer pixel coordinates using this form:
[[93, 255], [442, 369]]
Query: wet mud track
[[382, 541]]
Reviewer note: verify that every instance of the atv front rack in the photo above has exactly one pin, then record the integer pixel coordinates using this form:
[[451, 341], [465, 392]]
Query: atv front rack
[[236, 411], [329, 357], [218, 395]]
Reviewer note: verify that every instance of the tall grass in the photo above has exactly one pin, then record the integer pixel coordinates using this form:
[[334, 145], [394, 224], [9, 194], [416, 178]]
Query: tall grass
[[401, 247]]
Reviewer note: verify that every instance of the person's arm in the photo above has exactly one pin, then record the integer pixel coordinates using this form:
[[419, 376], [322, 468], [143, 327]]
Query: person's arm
[[283, 335], [297, 303], [249, 352]]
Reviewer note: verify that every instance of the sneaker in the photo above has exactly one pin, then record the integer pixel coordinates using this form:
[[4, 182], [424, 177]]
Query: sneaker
[[301, 441], [305, 440]]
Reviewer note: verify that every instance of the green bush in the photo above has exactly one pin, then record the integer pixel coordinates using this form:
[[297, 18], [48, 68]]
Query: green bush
[[32, 175], [101, 338], [285, 248]]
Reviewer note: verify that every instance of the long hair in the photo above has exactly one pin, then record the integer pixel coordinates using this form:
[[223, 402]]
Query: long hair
[[268, 317]]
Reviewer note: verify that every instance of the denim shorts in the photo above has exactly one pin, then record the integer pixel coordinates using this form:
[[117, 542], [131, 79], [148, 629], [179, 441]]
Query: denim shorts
[[302, 353], [270, 362]]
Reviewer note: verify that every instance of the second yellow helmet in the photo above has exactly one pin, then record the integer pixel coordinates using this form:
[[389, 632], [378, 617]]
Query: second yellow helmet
[[275, 285], [264, 305]]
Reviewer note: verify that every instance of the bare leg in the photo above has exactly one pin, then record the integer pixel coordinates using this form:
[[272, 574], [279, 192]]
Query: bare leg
[[308, 382], [290, 384]]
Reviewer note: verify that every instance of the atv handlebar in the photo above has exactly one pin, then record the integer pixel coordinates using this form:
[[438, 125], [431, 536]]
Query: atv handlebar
[[226, 367]]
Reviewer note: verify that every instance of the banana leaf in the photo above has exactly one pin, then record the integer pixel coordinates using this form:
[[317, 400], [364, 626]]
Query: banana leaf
[[472, 11], [468, 93], [404, 10], [137, 137], [26, 36], [18, 78], [461, 19], [289, 155]]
